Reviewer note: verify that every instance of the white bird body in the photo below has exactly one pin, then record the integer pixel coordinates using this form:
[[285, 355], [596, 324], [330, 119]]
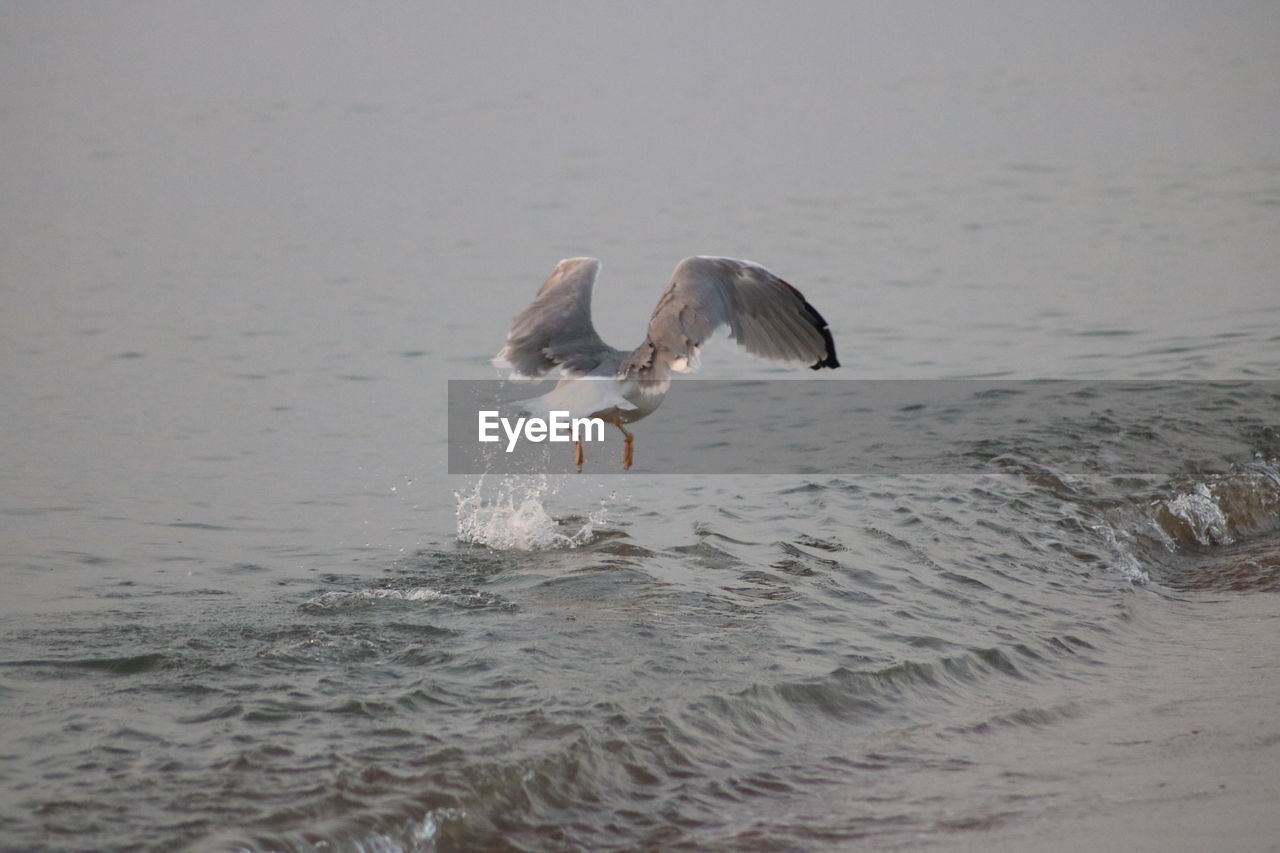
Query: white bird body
[[595, 397], [765, 315]]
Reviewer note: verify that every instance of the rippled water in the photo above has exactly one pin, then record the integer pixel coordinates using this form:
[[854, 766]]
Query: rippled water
[[243, 607]]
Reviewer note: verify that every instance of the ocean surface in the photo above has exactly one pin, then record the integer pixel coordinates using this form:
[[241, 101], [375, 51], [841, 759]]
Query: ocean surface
[[244, 606]]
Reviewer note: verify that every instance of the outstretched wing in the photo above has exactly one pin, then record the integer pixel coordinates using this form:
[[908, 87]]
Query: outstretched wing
[[556, 328], [766, 316]]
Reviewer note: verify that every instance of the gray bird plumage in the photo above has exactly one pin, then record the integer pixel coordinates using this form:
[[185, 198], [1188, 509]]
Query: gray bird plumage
[[765, 315]]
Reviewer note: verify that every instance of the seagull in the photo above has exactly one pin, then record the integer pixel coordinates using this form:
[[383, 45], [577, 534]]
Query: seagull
[[765, 316]]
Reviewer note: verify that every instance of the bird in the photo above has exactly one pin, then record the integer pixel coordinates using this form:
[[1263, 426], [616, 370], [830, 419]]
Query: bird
[[765, 316]]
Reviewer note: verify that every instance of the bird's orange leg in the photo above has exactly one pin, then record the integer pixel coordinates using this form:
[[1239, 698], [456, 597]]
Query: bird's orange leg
[[626, 448], [578, 456]]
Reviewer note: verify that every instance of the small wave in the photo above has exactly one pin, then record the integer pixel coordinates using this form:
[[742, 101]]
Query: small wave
[[1225, 509], [335, 600], [1124, 557], [1192, 518], [712, 758], [389, 831], [514, 518], [131, 665], [328, 600], [850, 694]]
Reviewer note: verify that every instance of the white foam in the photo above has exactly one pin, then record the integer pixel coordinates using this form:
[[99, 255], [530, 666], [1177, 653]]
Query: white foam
[[430, 825], [514, 518], [343, 598], [417, 593], [1123, 559], [1200, 511]]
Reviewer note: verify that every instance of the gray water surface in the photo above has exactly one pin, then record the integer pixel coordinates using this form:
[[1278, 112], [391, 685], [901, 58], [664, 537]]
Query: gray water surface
[[243, 605]]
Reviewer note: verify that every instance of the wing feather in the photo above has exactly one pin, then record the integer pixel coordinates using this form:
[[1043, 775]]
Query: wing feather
[[556, 328], [765, 315]]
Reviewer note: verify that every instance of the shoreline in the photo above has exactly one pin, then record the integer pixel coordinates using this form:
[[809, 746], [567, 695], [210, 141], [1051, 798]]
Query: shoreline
[[1180, 763]]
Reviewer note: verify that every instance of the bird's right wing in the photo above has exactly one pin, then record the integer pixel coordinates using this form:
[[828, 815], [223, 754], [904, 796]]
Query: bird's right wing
[[556, 328]]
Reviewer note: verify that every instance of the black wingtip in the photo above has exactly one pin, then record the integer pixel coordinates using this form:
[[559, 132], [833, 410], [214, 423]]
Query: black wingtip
[[829, 359]]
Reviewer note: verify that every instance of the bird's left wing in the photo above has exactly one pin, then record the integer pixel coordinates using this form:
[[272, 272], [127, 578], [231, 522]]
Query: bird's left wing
[[766, 316]]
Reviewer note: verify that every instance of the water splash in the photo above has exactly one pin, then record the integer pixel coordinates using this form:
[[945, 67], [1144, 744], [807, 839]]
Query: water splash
[[1198, 514], [515, 518], [1190, 517], [427, 831], [336, 599], [1224, 509], [1123, 558]]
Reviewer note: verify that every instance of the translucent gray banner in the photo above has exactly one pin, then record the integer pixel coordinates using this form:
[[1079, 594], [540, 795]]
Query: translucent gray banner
[[837, 426]]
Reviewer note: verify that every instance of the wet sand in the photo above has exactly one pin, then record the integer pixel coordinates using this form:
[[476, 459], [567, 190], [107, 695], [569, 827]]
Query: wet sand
[[1187, 760]]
